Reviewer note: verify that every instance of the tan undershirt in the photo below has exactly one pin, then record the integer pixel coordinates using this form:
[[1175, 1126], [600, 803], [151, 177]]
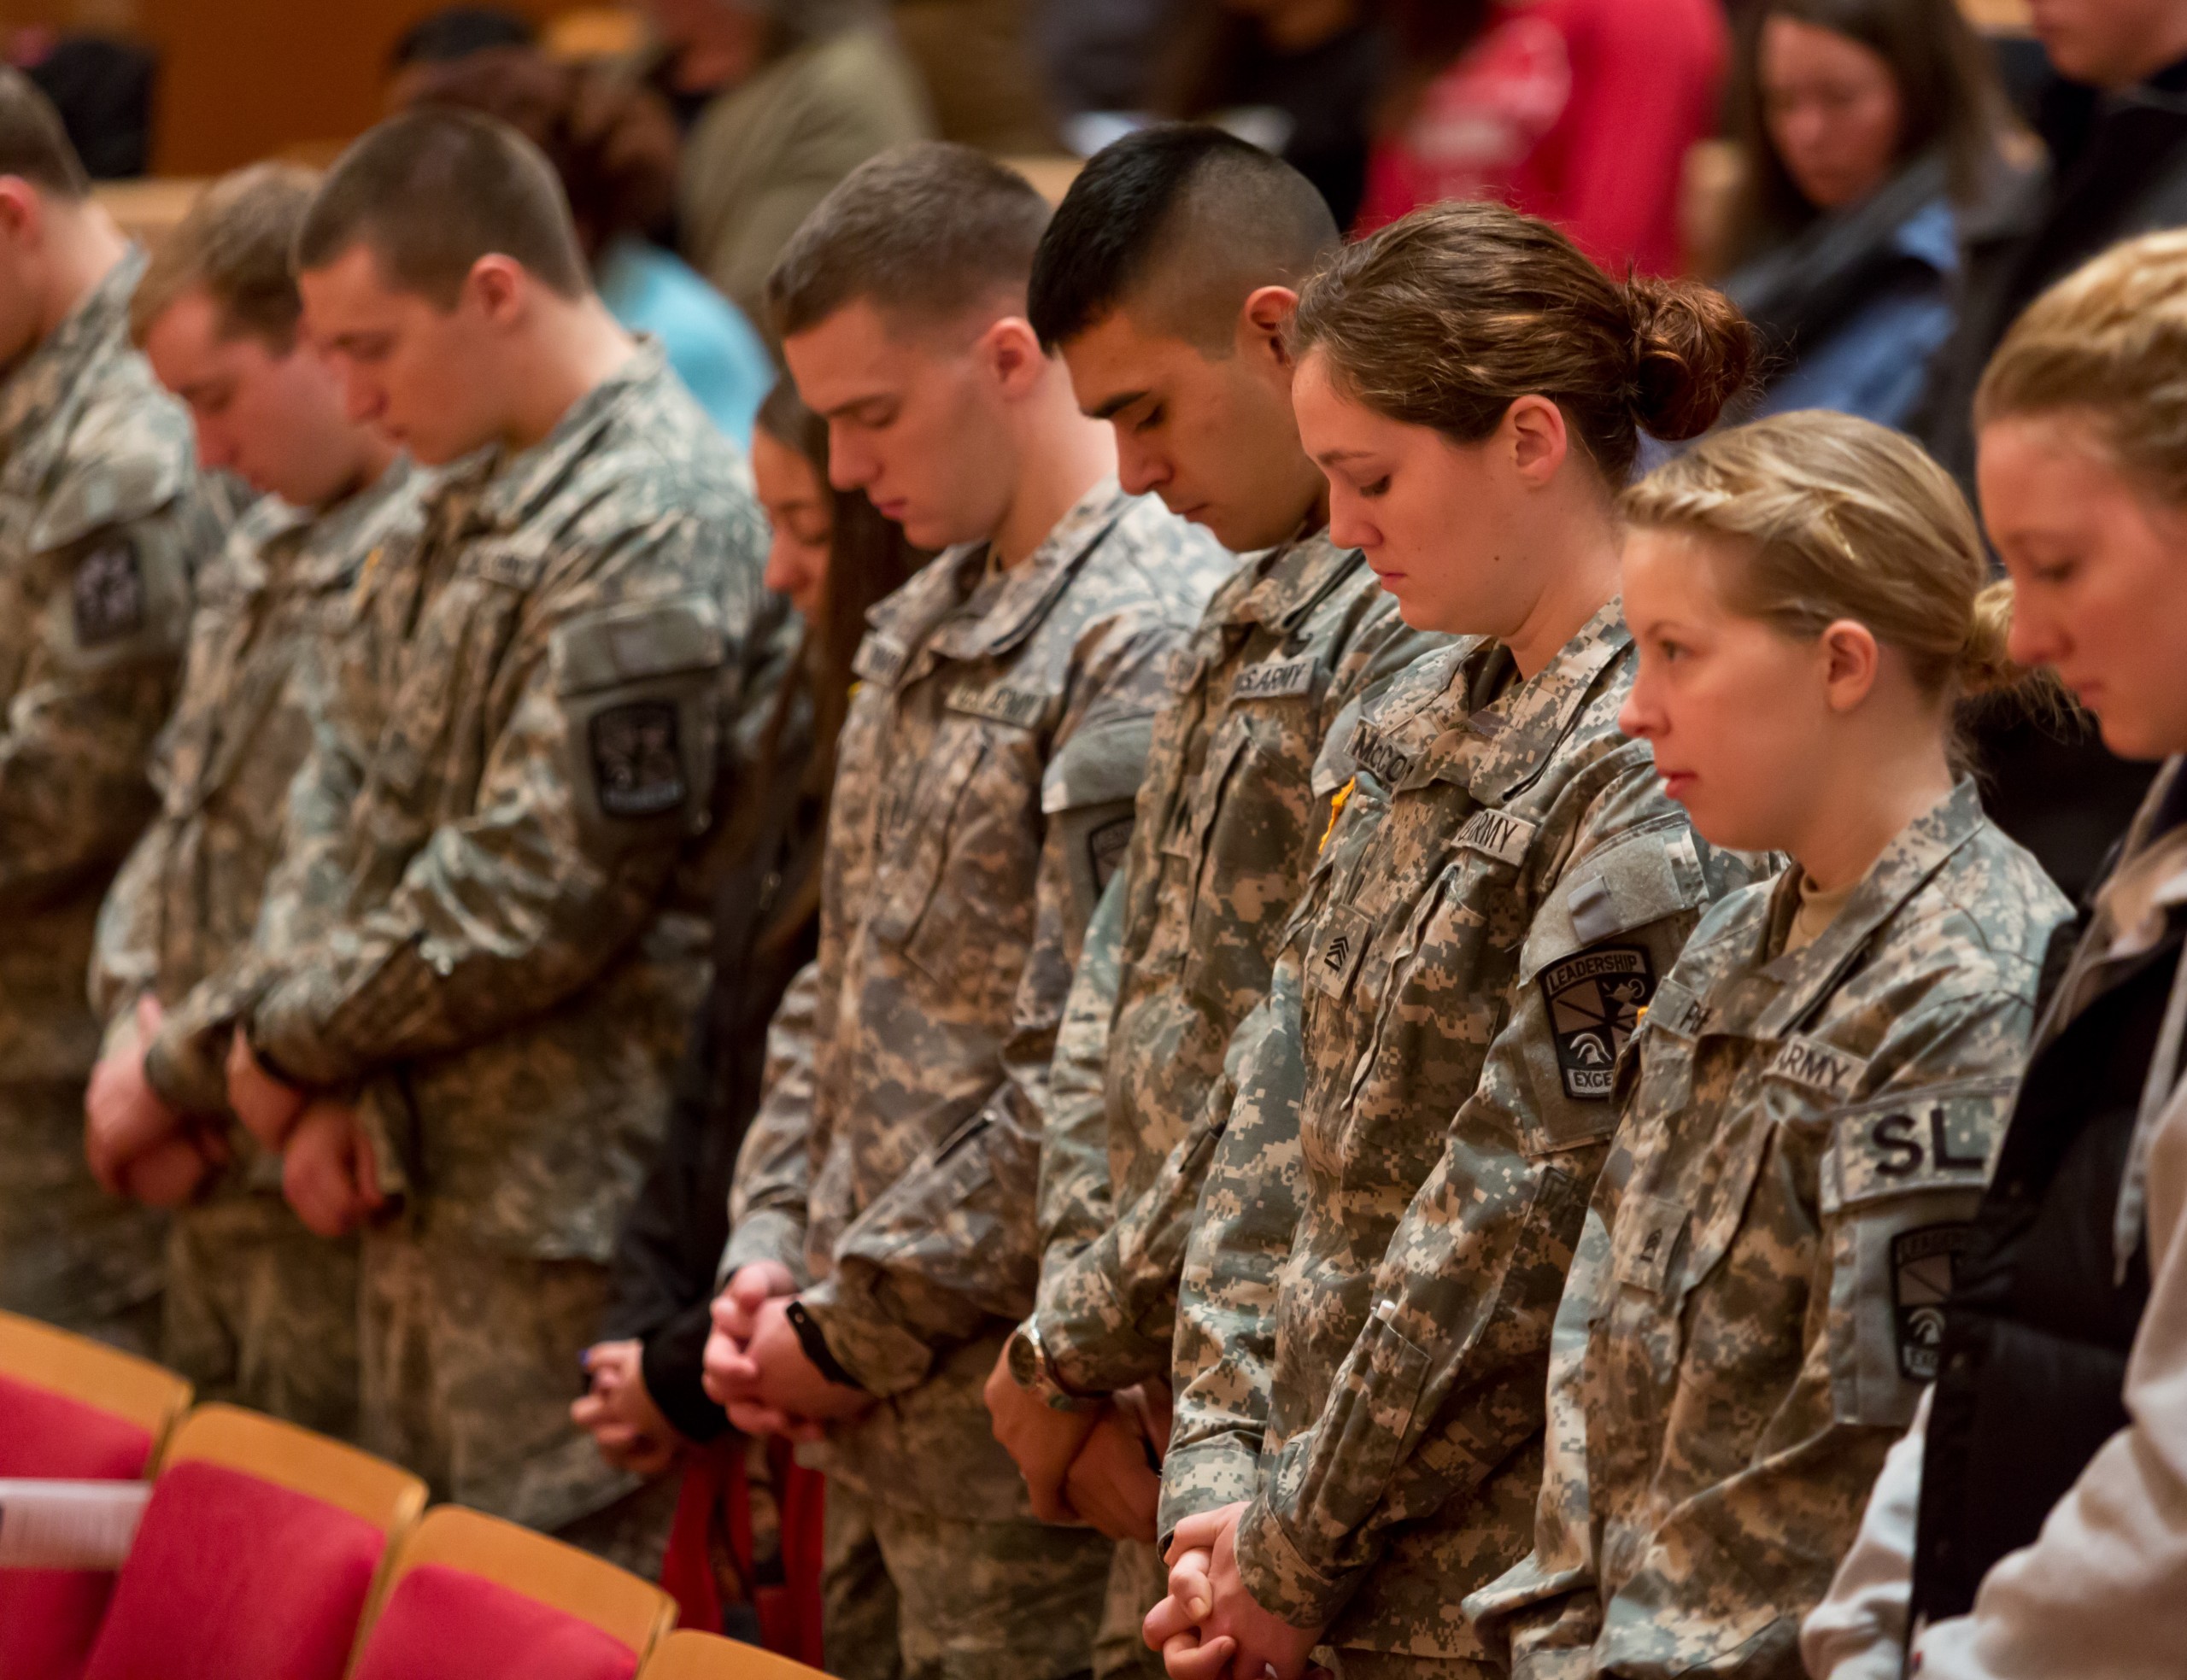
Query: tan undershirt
[[1817, 910]]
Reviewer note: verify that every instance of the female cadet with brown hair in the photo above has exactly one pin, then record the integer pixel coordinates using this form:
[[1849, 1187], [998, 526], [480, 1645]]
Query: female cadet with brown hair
[[1424, 1101], [1808, 1112]]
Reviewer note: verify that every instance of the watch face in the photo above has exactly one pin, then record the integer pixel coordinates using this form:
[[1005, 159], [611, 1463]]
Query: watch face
[[1024, 1361]]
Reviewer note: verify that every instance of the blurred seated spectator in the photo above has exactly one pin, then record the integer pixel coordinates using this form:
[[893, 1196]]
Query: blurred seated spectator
[[1578, 111], [1100, 54], [834, 556], [103, 87], [782, 98], [1866, 129], [1316, 68], [613, 143], [978, 61], [447, 37]]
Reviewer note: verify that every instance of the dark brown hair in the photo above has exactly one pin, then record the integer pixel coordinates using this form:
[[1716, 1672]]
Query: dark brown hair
[[1950, 100], [34, 147], [233, 245], [928, 229], [1447, 317], [610, 139], [432, 192]]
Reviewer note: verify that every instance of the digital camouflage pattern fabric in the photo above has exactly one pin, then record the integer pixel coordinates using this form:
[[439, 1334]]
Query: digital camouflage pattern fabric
[[1757, 1299], [102, 521], [1232, 807], [258, 1310], [492, 930], [1422, 1109], [983, 799]]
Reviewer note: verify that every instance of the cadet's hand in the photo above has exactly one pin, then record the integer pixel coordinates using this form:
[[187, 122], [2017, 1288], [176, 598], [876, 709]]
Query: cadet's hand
[[1172, 1627], [619, 1414], [790, 1382], [1042, 1440], [328, 1171], [123, 1117], [1266, 1644], [268, 1108], [1111, 1482], [729, 1371]]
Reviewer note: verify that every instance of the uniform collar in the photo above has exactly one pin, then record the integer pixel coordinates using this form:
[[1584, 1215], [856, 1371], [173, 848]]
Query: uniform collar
[[998, 614], [1776, 995], [1496, 749], [1293, 578], [51, 373], [516, 487]]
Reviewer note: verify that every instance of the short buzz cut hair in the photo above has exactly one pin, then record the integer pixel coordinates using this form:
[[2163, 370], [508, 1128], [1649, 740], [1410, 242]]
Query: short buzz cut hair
[[431, 193], [930, 231], [1185, 220], [34, 146], [233, 245]]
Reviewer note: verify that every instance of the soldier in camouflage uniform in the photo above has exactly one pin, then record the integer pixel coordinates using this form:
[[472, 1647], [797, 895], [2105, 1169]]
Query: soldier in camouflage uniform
[[101, 522], [259, 1310], [983, 798], [1424, 1100], [1807, 1114], [487, 1013], [1180, 248]]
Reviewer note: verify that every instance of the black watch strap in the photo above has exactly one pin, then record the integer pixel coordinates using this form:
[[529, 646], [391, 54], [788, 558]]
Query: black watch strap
[[816, 1347]]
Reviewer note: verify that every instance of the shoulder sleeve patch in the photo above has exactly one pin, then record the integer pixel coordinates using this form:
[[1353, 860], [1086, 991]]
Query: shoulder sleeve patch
[[108, 598], [1914, 1142], [1594, 999]]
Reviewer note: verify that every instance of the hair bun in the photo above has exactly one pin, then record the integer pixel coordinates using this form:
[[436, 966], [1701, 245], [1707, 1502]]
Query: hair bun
[[1693, 352]]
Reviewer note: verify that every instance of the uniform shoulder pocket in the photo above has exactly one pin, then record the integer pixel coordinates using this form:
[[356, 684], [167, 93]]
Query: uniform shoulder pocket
[[637, 689], [1087, 792]]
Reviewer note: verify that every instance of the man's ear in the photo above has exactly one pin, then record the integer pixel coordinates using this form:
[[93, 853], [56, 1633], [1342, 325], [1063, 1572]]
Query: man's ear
[[499, 288], [1264, 323], [23, 211], [1850, 659], [1011, 350], [1535, 432]]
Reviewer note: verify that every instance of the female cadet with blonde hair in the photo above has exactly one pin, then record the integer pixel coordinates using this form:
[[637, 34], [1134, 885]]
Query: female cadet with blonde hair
[[1807, 1114], [2051, 1474], [1424, 1101]]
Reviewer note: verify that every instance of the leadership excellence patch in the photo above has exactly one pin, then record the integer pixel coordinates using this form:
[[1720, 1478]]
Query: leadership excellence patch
[[1595, 999]]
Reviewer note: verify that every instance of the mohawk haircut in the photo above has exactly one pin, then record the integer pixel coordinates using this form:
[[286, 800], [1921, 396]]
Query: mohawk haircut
[[1185, 221], [927, 230], [432, 192], [233, 245], [34, 147]]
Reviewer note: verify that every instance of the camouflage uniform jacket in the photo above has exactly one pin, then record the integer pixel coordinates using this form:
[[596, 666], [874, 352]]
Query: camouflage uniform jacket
[[513, 934], [1233, 804], [102, 521], [1363, 1327], [269, 611], [1756, 1303], [983, 796]]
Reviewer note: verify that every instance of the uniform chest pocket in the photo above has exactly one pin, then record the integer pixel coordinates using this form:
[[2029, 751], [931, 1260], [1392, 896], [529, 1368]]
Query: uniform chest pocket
[[912, 869], [438, 717]]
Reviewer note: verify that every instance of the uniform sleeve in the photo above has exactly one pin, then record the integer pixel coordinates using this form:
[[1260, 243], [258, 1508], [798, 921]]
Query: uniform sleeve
[[769, 1199], [586, 800], [1859, 1632], [100, 622], [955, 1241], [1224, 1356], [124, 944], [1446, 1382], [1077, 1202]]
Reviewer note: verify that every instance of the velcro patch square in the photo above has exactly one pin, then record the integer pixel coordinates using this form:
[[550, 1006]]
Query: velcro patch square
[[637, 760], [1594, 999]]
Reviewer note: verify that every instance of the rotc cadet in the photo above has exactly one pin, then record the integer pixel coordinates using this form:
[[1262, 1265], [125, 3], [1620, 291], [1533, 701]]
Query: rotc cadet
[[1168, 280], [258, 1311], [883, 1234], [101, 522], [1808, 1115], [474, 1016], [1421, 1110]]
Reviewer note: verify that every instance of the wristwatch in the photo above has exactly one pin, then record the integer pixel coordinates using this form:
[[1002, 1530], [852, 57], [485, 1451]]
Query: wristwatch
[[1032, 1370]]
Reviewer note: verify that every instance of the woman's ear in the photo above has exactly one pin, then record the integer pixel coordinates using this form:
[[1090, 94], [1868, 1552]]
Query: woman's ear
[[1850, 660], [1535, 434]]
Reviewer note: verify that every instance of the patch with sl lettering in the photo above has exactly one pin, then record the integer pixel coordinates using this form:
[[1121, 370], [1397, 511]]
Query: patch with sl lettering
[[637, 760], [1020, 708], [1504, 838], [1276, 680], [1923, 1262], [1917, 1141], [1595, 999], [1105, 846], [107, 595], [1383, 758], [1339, 946]]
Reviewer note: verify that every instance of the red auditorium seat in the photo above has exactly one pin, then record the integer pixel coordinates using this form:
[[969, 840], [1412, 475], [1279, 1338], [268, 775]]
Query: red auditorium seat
[[475, 1598], [75, 1410], [257, 1556]]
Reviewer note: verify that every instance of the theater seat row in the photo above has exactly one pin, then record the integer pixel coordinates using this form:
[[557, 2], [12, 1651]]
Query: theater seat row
[[268, 1552]]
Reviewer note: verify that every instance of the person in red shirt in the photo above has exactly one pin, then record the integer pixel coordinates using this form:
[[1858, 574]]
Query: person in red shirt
[[1578, 111]]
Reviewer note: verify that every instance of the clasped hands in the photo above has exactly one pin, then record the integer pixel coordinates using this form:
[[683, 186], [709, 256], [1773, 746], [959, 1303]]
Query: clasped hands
[[140, 1146], [1211, 1627], [756, 1368], [1095, 1466]]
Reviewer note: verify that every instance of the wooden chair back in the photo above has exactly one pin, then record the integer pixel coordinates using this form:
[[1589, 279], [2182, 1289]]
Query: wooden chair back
[[685, 1655], [89, 1372]]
